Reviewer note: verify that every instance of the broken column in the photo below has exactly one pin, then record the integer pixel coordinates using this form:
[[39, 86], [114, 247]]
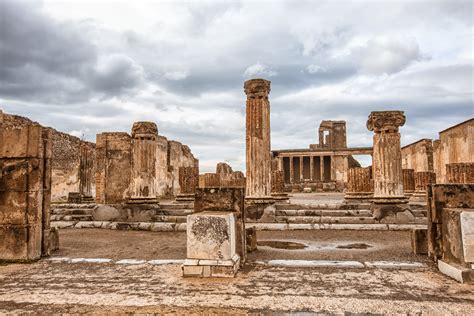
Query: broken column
[[188, 182], [25, 193], [86, 176], [258, 156], [460, 172], [387, 161], [408, 181], [143, 176], [422, 180], [216, 241], [360, 186]]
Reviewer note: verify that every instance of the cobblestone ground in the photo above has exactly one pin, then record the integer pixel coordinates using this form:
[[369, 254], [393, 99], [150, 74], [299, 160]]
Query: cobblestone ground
[[48, 287]]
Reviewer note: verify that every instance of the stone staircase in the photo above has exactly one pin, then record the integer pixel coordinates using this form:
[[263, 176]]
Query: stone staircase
[[171, 216]]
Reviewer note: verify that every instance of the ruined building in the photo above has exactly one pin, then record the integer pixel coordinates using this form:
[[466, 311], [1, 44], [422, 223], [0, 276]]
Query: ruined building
[[322, 166], [72, 161], [140, 167], [446, 159]]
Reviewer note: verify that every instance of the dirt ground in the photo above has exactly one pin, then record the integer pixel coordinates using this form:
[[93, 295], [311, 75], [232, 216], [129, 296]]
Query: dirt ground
[[46, 287], [320, 245]]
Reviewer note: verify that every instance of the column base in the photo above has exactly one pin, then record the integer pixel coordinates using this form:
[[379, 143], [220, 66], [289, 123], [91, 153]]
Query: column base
[[185, 197], [408, 194], [359, 196], [280, 196], [418, 196], [259, 200], [206, 268]]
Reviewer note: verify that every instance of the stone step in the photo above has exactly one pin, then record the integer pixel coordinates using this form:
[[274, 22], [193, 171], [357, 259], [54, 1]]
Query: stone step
[[71, 211], [340, 220], [326, 219], [176, 206], [169, 219], [323, 206], [72, 205], [308, 212], [172, 212], [71, 218]]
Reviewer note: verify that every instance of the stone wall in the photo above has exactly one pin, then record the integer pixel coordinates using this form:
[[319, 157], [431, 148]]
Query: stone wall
[[418, 156], [460, 173], [66, 155], [455, 145]]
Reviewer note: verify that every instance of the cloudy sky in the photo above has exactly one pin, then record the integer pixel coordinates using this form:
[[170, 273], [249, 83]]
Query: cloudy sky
[[86, 67]]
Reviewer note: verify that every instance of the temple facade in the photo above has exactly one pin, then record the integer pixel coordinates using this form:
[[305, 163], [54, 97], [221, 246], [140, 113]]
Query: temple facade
[[323, 166]]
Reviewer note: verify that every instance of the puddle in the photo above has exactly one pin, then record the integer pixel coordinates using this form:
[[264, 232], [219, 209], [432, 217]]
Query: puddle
[[354, 246], [287, 245]]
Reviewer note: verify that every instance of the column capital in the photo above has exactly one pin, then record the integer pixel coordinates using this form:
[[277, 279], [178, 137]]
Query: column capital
[[257, 88], [144, 129], [388, 121]]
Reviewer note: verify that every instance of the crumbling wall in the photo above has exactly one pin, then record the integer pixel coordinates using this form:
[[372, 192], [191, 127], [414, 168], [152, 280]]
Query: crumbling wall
[[66, 153], [418, 156], [179, 156], [223, 177], [455, 145]]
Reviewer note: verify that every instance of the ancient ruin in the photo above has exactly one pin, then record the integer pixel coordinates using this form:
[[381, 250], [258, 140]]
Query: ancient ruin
[[322, 167]]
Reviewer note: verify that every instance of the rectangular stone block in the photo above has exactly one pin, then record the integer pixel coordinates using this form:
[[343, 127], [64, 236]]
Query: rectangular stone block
[[458, 236], [20, 242], [251, 239], [458, 273], [419, 241], [21, 208], [22, 142], [211, 235], [21, 174], [467, 235]]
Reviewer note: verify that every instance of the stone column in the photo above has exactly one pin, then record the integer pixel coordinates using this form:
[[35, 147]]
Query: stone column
[[321, 167], [387, 161], [292, 175], [408, 181], [311, 168], [360, 186], [188, 182], [258, 156], [86, 177], [460, 172], [143, 176]]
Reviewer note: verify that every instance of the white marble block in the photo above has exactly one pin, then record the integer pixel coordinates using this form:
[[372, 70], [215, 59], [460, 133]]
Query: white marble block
[[467, 235]]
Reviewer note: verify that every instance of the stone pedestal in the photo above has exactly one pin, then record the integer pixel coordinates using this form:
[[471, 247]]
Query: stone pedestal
[[211, 245], [143, 175], [278, 187], [360, 187], [460, 172], [258, 151], [408, 182], [387, 161], [422, 180]]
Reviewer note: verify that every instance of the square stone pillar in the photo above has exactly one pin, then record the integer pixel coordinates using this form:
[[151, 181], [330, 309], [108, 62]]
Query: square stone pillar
[[25, 193], [360, 186], [408, 181], [387, 161]]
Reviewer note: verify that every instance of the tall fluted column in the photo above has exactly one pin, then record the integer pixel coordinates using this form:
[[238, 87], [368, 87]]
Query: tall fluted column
[[86, 172], [258, 139], [387, 160], [144, 145]]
